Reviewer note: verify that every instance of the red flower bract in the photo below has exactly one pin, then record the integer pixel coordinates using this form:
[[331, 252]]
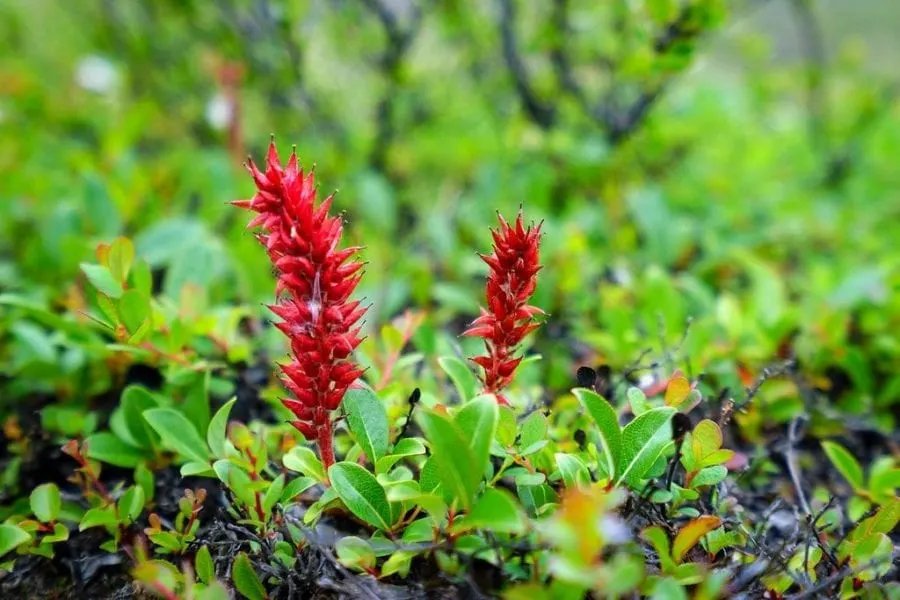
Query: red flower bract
[[315, 281], [514, 265]]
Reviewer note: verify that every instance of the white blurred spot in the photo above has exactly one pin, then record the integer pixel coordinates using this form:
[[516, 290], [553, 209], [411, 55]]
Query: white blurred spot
[[219, 112], [613, 530], [96, 74]]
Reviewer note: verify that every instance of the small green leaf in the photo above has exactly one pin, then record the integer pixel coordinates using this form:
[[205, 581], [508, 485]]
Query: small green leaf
[[478, 422], [846, 464], [461, 376], [706, 438], [46, 502], [246, 581], [303, 460], [637, 400], [144, 478], [109, 449], [203, 564], [533, 430], [657, 537], [368, 422], [453, 460], [405, 447], [643, 440], [608, 423], [11, 537], [506, 427], [296, 487], [573, 471], [102, 280], [273, 494], [134, 401], [196, 469], [99, 516], [355, 553], [709, 476], [196, 401], [398, 562], [131, 503], [497, 510], [177, 433], [361, 493], [142, 278], [120, 257], [216, 433], [134, 309]]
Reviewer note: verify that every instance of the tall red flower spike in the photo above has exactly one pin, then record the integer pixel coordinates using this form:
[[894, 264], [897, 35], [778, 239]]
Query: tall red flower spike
[[315, 281], [514, 265]]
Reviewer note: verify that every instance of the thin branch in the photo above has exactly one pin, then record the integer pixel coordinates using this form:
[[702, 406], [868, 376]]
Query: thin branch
[[541, 113]]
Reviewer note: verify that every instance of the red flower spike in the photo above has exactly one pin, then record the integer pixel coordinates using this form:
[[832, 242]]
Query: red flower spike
[[315, 280], [514, 265]]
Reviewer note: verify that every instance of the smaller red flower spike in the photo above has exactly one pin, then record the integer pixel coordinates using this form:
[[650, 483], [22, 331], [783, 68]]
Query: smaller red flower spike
[[315, 281], [514, 265]]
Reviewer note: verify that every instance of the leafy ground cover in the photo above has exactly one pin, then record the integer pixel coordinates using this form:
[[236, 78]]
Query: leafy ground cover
[[671, 373]]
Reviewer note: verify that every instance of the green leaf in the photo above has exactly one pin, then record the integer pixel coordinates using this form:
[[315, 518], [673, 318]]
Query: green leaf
[[368, 422], [133, 309], [46, 502], [196, 402], [194, 468], [462, 377], [296, 487], [497, 510], [405, 447], [204, 566], [303, 460], [109, 449], [533, 430], [120, 257], [846, 464], [99, 516], [454, 461], [144, 478], [608, 423], [637, 400], [246, 581], [11, 537], [355, 553], [643, 440], [102, 280], [709, 476], [573, 471], [478, 422], [506, 427], [706, 438], [398, 562], [216, 433], [134, 401], [177, 433], [657, 537], [361, 493], [131, 503], [273, 494]]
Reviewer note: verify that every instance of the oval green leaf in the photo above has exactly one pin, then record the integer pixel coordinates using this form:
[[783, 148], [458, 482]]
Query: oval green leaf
[[177, 433], [368, 422], [642, 442], [607, 421], [361, 494]]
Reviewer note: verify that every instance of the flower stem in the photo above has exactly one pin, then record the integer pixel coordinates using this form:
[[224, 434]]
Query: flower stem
[[326, 447]]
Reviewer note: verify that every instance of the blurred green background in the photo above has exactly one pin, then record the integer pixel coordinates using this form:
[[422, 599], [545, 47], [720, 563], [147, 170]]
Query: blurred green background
[[731, 162]]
